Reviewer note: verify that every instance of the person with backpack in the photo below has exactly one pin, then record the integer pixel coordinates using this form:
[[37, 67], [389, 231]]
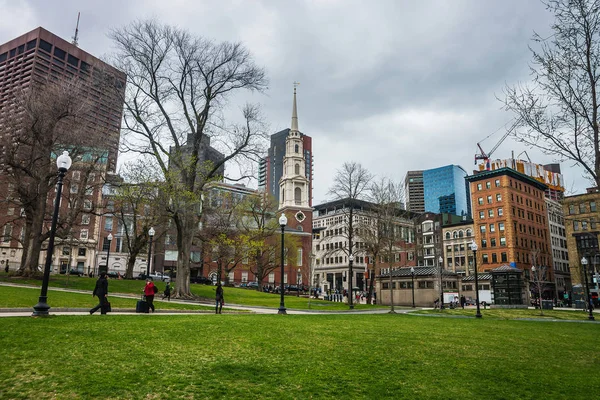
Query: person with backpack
[[101, 291], [149, 291], [167, 292]]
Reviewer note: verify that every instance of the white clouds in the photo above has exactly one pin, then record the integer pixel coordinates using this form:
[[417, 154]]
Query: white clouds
[[396, 85]]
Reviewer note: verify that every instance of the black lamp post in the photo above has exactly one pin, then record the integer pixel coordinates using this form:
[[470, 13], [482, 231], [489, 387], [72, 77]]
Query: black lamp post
[[63, 162], [110, 238], [584, 262], [350, 261], [412, 274], [282, 223], [441, 265], [151, 233], [474, 248]]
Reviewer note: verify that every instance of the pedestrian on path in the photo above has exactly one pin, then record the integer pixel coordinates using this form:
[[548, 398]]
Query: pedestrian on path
[[149, 291], [219, 299], [101, 290], [167, 292]]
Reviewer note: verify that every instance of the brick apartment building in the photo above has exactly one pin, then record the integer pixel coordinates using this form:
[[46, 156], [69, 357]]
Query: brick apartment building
[[510, 221]]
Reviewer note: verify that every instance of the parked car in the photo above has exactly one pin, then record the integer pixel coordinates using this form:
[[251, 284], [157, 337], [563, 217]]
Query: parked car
[[201, 280], [155, 276], [113, 274], [252, 285], [74, 272]]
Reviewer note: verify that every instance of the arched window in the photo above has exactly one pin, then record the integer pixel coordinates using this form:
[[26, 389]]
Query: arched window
[[297, 169], [455, 235], [469, 233], [447, 235], [461, 234], [298, 195], [282, 194], [299, 228], [296, 148]]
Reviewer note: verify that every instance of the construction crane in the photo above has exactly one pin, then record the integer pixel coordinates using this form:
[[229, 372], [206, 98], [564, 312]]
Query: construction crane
[[486, 156]]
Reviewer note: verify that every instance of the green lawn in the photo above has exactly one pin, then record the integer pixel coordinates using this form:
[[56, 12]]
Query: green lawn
[[17, 297], [296, 357], [233, 295], [501, 313]]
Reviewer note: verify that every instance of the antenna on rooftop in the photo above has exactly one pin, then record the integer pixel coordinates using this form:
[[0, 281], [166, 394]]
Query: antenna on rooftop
[[76, 30]]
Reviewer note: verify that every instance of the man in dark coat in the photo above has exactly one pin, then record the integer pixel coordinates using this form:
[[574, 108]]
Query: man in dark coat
[[101, 290], [219, 299]]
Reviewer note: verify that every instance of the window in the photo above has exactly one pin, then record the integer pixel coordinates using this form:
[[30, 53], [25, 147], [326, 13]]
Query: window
[[489, 199], [447, 234], [498, 197], [483, 243], [488, 185], [491, 213], [582, 208], [497, 182], [110, 205], [500, 212], [66, 250], [299, 262], [297, 169], [494, 258], [74, 61], [584, 225], [502, 241], [592, 206], [482, 228], [493, 242], [492, 228], [76, 175], [296, 149], [81, 252], [85, 219], [479, 186], [83, 234], [575, 225], [74, 188], [480, 201], [501, 226], [481, 215], [503, 257], [11, 211], [592, 224], [87, 204], [484, 258], [7, 233], [108, 224]]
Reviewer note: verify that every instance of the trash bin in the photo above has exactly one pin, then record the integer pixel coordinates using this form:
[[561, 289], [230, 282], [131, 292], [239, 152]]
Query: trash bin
[[579, 304], [547, 304]]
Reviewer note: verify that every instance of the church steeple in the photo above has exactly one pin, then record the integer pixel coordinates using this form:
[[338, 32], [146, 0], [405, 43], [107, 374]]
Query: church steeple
[[294, 126]]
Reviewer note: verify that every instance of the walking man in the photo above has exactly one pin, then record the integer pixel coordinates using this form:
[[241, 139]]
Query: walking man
[[101, 290], [219, 299]]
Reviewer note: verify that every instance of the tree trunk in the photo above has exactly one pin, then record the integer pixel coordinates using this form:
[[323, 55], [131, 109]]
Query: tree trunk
[[130, 265], [185, 233]]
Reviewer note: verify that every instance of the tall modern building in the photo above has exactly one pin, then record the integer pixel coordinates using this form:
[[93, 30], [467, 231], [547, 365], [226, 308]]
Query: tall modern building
[[445, 190], [413, 189], [30, 61], [39, 56], [271, 167]]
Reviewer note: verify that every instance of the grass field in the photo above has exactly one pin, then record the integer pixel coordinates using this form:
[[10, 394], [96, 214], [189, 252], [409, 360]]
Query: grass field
[[296, 357], [206, 292]]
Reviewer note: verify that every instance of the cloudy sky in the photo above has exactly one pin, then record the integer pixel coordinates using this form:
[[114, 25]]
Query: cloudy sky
[[397, 85]]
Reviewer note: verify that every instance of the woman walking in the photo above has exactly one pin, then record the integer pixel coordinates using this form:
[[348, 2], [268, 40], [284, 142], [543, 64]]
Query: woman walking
[[149, 291]]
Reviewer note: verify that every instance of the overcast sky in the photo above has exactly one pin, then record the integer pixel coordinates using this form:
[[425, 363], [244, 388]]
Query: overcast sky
[[395, 85]]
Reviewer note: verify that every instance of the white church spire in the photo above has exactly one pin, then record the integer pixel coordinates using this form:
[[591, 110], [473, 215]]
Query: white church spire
[[294, 126]]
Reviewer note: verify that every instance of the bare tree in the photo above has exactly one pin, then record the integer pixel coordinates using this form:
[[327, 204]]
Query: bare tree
[[558, 112], [42, 120], [138, 205], [350, 183], [539, 278], [261, 229], [178, 86], [389, 234]]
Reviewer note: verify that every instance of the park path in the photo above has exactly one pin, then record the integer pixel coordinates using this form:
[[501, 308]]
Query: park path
[[26, 312]]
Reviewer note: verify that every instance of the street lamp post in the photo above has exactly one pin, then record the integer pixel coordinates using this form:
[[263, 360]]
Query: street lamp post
[[63, 162], [441, 265], [282, 223], [412, 274], [584, 262], [110, 238], [474, 248], [298, 282], [350, 261], [151, 233]]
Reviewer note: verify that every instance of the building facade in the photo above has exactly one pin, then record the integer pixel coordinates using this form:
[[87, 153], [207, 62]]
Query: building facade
[[456, 244], [446, 191], [511, 221], [413, 191], [560, 252]]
